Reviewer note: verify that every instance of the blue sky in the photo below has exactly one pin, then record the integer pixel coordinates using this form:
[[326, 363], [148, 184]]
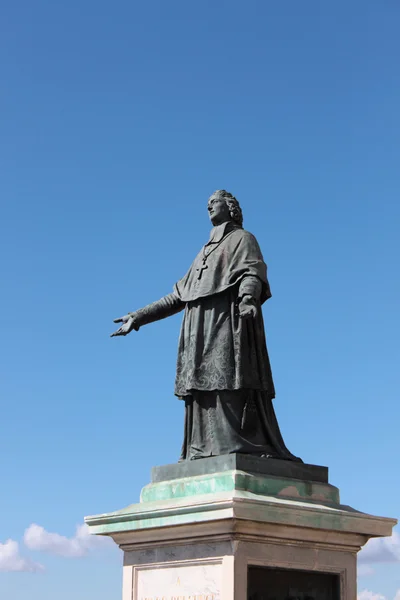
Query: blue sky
[[117, 122]]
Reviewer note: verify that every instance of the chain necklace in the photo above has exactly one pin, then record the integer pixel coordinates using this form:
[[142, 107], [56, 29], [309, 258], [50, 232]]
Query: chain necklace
[[207, 254]]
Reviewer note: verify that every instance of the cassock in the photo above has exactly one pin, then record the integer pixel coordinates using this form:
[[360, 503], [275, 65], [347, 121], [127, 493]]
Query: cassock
[[223, 369]]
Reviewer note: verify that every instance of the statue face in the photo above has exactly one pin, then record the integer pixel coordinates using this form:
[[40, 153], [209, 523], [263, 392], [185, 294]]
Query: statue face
[[218, 210]]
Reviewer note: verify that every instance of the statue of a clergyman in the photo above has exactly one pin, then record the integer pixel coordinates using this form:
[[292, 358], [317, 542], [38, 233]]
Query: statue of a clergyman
[[223, 370]]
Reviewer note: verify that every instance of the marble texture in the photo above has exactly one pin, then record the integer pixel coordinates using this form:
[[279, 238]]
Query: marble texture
[[214, 527], [199, 581], [235, 495], [227, 481]]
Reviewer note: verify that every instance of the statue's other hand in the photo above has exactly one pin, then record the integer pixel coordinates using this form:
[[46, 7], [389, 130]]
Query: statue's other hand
[[128, 324], [247, 308]]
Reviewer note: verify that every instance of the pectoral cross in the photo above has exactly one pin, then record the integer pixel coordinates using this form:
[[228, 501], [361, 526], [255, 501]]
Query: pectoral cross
[[201, 269]]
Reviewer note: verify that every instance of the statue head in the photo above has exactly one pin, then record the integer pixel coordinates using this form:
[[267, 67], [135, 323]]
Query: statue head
[[227, 210]]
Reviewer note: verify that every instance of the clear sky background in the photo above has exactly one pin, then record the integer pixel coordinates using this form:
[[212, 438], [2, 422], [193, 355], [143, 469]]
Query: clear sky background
[[118, 120]]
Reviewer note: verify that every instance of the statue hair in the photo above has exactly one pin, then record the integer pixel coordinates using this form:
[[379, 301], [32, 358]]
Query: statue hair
[[233, 205]]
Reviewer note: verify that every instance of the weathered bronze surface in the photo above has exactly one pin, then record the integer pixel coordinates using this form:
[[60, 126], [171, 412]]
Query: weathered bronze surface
[[223, 369]]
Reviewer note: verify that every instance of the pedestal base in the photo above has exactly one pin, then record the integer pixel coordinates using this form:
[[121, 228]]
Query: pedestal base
[[235, 534]]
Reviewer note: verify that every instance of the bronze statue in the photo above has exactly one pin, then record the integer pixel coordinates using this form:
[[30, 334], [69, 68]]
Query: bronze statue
[[223, 370]]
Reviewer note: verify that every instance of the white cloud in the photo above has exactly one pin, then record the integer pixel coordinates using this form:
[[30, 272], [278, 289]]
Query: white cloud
[[11, 560], [381, 550], [367, 595], [37, 538]]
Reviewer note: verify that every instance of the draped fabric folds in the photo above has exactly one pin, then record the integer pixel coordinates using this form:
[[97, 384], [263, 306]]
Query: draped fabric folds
[[225, 378], [223, 369], [223, 422]]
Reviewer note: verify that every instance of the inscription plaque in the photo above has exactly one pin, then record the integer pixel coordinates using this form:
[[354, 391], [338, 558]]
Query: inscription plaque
[[185, 582]]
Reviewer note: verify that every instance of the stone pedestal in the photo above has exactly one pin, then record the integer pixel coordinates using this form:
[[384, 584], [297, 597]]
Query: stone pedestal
[[236, 527]]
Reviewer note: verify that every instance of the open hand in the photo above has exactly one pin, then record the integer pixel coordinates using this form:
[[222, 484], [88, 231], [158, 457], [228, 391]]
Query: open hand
[[247, 308], [128, 324]]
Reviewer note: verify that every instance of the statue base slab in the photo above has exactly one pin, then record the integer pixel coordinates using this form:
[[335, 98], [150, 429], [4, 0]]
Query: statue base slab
[[240, 462], [236, 534]]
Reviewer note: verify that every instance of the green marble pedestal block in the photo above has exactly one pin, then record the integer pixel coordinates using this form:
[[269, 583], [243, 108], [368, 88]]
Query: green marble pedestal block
[[232, 528]]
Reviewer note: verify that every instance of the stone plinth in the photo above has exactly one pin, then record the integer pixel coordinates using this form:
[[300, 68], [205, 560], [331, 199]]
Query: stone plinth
[[235, 527]]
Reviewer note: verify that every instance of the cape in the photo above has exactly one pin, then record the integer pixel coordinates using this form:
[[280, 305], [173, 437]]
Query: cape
[[236, 256]]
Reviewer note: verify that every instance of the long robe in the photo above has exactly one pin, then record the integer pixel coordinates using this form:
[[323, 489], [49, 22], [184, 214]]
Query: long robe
[[223, 368], [218, 350]]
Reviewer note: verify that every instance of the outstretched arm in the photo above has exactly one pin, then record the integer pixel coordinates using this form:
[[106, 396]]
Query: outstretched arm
[[166, 307]]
